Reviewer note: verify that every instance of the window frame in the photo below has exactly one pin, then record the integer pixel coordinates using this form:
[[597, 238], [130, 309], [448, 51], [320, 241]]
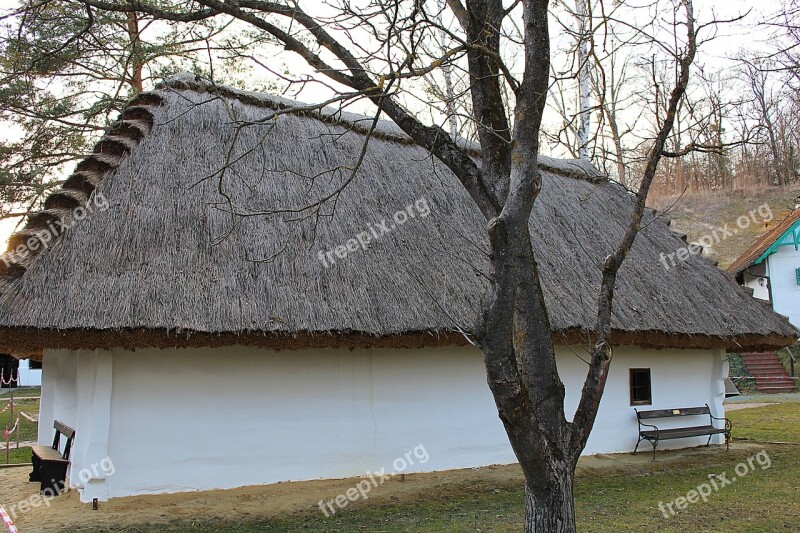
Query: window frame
[[632, 387]]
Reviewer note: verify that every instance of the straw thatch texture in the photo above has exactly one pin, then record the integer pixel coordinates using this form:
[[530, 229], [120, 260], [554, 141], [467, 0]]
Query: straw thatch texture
[[167, 258]]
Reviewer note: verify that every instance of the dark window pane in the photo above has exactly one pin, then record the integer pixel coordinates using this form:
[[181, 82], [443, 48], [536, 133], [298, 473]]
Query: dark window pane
[[640, 386]]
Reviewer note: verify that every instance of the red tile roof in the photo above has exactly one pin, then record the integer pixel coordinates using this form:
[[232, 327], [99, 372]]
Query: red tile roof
[[763, 243]]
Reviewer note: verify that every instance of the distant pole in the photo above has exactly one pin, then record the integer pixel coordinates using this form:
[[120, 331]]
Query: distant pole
[[583, 80], [449, 93], [10, 418]]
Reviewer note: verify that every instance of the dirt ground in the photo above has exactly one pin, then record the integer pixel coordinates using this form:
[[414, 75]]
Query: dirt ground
[[737, 406], [66, 512]]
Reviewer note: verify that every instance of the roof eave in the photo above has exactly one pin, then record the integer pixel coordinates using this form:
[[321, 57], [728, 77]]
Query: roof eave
[[31, 342]]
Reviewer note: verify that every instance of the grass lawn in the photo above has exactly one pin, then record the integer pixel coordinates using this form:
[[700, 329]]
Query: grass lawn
[[762, 500], [775, 423], [16, 456], [27, 429], [21, 391]]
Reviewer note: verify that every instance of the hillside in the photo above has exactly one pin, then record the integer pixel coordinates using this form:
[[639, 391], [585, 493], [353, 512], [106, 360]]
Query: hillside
[[732, 221]]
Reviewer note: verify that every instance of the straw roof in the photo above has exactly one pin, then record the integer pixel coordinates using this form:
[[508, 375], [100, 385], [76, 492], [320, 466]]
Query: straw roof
[[166, 263]]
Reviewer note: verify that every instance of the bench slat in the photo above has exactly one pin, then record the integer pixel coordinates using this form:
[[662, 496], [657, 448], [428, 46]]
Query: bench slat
[[64, 429], [668, 413], [46, 453], [679, 433]]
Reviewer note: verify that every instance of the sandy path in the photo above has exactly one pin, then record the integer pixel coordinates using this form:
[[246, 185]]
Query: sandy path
[[738, 406]]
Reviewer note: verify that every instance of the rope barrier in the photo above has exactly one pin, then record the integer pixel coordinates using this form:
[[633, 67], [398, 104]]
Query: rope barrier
[[8, 522], [7, 407], [8, 432], [11, 379]]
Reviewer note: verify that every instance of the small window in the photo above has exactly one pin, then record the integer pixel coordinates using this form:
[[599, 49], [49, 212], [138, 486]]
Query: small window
[[640, 386], [34, 365]]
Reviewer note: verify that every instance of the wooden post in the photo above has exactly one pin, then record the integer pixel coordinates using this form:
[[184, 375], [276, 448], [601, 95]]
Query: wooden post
[[8, 425], [11, 414]]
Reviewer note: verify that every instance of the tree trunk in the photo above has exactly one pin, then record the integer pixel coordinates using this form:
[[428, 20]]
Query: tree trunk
[[551, 507], [136, 66]]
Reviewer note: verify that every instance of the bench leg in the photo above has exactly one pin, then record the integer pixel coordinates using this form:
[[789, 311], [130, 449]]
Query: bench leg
[[727, 442], [52, 477], [709, 440], [637, 446], [654, 443], [37, 464]]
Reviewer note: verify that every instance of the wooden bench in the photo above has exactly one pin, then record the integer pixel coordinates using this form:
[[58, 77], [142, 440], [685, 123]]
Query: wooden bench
[[655, 434], [50, 465]]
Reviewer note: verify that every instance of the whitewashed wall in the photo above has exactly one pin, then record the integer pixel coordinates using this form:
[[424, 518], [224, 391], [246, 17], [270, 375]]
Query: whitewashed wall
[[785, 290], [198, 419], [59, 396], [29, 377], [755, 278]]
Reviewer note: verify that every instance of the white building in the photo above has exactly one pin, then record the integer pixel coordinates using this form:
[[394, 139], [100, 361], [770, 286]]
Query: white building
[[30, 373], [771, 267], [199, 346]]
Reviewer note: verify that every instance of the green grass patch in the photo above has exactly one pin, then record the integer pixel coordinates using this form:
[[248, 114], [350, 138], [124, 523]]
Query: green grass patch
[[775, 423], [16, 456], [28, 430], [21, 391]]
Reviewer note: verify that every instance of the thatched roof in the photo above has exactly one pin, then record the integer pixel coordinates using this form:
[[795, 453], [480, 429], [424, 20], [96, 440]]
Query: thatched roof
[[166, 264]]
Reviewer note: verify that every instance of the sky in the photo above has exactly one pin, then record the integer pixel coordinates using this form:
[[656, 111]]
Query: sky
[[715, 54]]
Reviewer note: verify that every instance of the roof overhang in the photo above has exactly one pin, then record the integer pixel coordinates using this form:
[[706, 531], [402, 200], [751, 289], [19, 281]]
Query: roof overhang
[[31, 342], [791, 237]]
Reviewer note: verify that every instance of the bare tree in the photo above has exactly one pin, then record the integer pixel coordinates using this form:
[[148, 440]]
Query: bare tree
[[765, 108], [372, 49]]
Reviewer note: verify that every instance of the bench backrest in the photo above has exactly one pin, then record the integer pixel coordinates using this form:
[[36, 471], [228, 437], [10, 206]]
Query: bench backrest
[[668, 413], [68, 432]]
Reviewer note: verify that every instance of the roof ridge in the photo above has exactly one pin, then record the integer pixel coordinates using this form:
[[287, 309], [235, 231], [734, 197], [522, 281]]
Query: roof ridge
[[73, 200], [385, 129]]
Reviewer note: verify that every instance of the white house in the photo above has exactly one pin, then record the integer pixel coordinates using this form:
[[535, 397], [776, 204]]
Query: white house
[[30, 373], [771, 267], [201, 333]]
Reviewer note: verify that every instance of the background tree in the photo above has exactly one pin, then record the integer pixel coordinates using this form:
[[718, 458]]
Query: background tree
[[66, 69]]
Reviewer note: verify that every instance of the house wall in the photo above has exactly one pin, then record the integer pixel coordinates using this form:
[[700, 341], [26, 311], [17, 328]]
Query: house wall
[[29, 377], [196, 419], [755, 278], [785, 290], [59, 394]]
